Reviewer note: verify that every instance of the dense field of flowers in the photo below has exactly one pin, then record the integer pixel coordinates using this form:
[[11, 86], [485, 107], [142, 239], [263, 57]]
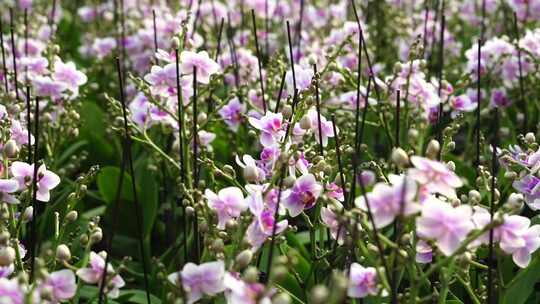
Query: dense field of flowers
[[266, 151]]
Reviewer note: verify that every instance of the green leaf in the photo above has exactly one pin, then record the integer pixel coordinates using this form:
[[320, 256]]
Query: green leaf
[[137, 297], [294, 241], [93, 128], [148, 200], [521, 287], [107, 182], [69, 151]]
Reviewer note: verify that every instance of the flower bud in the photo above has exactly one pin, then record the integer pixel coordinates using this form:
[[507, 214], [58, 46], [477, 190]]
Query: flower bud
[[281, 298], [63, 253], [289, 181], [218, 245], [515, 200], [4, 238], [433, 149], [243, 259], [305, 122], [96, 236], [28, 214], [10, 149], [251, 274], [530, 138], [7, 256], [279, 273], [83, 239], [286, 111], [190, 211], [175, 43], [474, 196], [319, 294], [451, 165], [72, 216], [413, 133], [229, 170], [510, 175], [251, 173], [202, 118], [400, 157]]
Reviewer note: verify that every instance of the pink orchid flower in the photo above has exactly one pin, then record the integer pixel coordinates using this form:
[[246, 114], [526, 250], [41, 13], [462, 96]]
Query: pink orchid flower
[[447, 225], [387, 201], [47, 180], [200, 280], [11, 291], [434, 176], [232, 113], [205, 66], [94, 275], [362, 281], [61, 284], [262, 226], [303, 195], [7, 187], [229, 203], [271, 126]]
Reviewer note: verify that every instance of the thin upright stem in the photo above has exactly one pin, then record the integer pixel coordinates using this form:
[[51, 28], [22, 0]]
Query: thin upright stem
[[4, 66], [155, 30], [521, 79], [494, 169], [138, 214], [220, 34], [280, 92], [34, 243], [274, 226], [478, 103], [14, 52], [181, 148], [261, 82], [318, 103], [440, 74]]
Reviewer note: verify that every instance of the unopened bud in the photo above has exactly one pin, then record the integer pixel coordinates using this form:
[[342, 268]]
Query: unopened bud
[[28, 214], [10, 149], [251, 274], [251, 173], [96, 236], [281, 298], [229, 170], [474, 196], [218, 245], [530, 138], [201, 118], [305, 122], [510, 175], [175, 43], [243, 259], [190, 211], [433, 149], [319, 294], [4, 238], [63, 253], [72, 216], [7, 256], [515, 200], [400, 157], [286, 111]]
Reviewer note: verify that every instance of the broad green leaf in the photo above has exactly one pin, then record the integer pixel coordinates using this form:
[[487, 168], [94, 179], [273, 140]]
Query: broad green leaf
[[521, 287], [107, 182], [137, 297], [93, 128], [148, 200]]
